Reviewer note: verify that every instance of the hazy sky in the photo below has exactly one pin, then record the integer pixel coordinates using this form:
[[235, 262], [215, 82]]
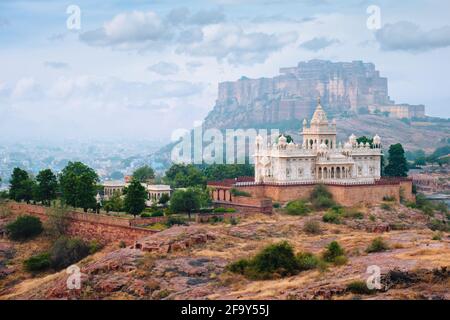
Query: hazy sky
[[143, 68]]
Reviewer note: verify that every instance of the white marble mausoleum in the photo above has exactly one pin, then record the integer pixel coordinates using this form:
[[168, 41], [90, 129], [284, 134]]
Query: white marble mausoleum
[[319, 158]]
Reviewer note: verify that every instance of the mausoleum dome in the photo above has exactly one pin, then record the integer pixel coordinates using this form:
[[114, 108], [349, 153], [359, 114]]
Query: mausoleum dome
[[319, 115]]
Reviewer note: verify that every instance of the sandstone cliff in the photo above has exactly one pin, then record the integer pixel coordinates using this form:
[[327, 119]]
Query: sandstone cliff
[[342, 87]]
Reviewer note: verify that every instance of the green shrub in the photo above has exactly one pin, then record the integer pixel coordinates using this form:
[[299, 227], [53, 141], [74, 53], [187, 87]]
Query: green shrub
[[372, 218], [389, 198], [215, 219], [386, 207], [377, 245], [359, 287], [307, 261], [276, 258], [411, 204], [340, 260], [239, 193], [331, 217], [276, 205], [353, 214], [39, 262], [233, 221], [230, 210], [297, 208], [239, 266], [94, 246], [24, 227], [174, 220], [438, 225], [312, 227], [428, 209], [219, 210], [67, 251], [321, 198], [157, 213], [441, 207], [322, 203], [145, 215], [272, 261], [333, 250]]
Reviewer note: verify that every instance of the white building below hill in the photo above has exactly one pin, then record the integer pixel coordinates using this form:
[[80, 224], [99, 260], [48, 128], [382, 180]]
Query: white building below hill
[[320, 158], [154, 191]]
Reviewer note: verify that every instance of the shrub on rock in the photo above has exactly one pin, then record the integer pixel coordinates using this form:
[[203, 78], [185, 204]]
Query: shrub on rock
[[39, 262], [333, 252], [298, 208], [312, 227], [67, 251], [359, 287], [377, 245], [24, 227]]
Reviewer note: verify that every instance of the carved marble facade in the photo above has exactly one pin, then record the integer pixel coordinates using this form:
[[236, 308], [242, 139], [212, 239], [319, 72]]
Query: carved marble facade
[[320, 158]]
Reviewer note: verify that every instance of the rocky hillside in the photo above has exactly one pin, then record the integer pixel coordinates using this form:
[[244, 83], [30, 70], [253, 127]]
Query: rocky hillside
[[342, 86], [188, 262]]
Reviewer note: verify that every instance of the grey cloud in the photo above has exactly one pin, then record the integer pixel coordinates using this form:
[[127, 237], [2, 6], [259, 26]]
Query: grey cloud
[[407, 36], [179, 30], [281, 18], [231, 43], [183, 16], [178, 16], [131, 31], [164, 68], [56, 65], [318, 43], [206, 17], [191, 35]]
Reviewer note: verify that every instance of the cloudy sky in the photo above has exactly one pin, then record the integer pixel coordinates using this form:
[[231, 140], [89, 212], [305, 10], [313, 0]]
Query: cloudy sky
[[140, 68]]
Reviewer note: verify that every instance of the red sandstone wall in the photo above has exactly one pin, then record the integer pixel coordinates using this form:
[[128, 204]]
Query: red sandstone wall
[[344, 195], [90, 226]]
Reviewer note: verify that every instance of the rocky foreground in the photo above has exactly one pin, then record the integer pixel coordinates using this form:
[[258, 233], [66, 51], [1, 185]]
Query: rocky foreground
[[188, 262]]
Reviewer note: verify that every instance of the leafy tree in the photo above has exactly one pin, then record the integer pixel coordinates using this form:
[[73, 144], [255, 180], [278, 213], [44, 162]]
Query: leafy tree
[[143, 174], [78, 185], [46, 187], [288, 138], [115, 203], [164, 198], [58, 220], [397, 166], [21, 186], [227, 171], [186, 201], [364, 140], [135, 198], [183, 176]]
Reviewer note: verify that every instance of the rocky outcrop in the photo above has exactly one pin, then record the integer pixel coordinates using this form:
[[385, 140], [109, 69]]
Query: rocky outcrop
[[342, 86], [174, 239]]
